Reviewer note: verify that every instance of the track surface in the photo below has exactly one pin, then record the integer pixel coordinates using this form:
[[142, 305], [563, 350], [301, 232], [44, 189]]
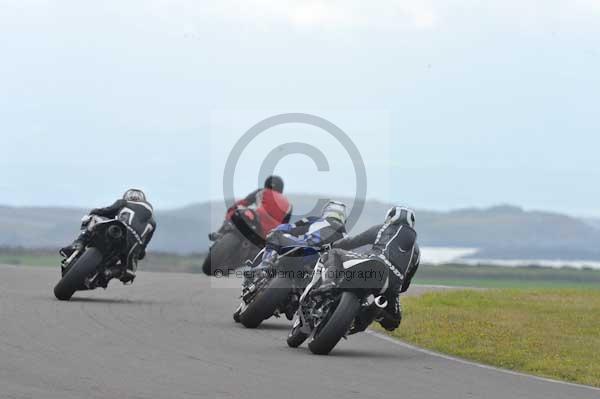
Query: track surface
[[172, 336]]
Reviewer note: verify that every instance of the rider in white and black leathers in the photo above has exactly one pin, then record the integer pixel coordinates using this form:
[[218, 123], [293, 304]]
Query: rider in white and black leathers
[[135, 211], [394, 243]]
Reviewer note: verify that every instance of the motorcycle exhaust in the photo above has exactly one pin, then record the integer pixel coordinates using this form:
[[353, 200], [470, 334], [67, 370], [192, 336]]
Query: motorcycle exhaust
[[115, 232], [381, 302]]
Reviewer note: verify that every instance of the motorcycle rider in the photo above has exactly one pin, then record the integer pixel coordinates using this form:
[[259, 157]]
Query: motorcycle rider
[[310, 231], [135, 211], [394, 243], [272, 207]]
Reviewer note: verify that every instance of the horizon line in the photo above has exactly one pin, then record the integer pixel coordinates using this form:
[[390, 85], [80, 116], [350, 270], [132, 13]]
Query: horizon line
[[341, 197]]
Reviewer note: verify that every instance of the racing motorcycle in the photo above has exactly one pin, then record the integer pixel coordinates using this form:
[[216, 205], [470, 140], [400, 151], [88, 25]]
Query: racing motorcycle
[[108, 252], [339, 301], [241, 238], [275, 290]]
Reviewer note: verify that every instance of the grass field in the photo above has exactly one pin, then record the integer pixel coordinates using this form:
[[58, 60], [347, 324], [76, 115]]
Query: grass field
[[33, 258], [547, 332]]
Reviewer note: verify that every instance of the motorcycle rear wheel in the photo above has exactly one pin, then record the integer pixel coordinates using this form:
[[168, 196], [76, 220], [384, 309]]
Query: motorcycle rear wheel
[[266, 302], [220, 254], [74, 279], [336, 326]]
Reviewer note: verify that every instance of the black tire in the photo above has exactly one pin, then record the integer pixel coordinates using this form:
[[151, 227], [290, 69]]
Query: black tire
[[206, 265], [265, 303], [337, 326], [220, 254], [75, 277], [296, 337], [236, 316]]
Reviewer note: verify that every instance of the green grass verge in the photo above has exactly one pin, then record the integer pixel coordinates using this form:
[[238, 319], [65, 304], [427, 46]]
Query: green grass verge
[[553, 333], [29, 259]]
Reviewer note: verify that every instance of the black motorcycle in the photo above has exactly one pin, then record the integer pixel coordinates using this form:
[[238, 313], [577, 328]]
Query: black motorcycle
[[108, 252], [340, 300], [239, 239], [276, 290]]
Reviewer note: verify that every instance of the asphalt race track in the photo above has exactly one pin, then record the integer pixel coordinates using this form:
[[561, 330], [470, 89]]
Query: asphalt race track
[[172, 336]]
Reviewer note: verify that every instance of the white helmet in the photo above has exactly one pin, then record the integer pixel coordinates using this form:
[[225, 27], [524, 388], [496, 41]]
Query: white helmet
[[336, 210], [401, 215], [133, 194]]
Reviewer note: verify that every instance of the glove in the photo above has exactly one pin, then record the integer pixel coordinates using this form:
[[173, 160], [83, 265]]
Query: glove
[[327, 247], [142, 254]]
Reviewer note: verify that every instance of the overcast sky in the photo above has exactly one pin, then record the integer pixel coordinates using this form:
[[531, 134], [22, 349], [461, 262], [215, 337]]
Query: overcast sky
[[452, 103]]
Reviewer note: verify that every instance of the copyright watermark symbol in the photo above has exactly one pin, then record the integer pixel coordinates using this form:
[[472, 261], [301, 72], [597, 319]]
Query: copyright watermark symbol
[[243, 234], [315, 154]]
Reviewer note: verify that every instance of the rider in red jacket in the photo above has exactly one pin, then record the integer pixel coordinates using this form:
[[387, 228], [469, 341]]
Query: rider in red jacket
[[272, 207]]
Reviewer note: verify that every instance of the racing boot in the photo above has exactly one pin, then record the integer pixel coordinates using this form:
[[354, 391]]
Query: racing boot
[[269, 259], [214, 236], [129, 274], [391, 316]]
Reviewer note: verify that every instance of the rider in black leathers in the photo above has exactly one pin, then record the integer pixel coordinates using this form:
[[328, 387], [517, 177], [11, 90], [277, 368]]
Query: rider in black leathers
[[135, 211], [394, 243], [316, 232]]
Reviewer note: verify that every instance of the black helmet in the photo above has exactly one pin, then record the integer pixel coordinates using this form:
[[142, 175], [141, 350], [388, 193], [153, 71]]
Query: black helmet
[[133, 194], [274, 183]]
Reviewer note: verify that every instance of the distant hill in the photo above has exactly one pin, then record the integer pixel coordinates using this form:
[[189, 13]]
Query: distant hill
[[594, 222], [505, 232]]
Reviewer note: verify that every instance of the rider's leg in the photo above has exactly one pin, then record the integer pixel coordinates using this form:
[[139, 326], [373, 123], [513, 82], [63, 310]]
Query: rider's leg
[[391, 316]]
